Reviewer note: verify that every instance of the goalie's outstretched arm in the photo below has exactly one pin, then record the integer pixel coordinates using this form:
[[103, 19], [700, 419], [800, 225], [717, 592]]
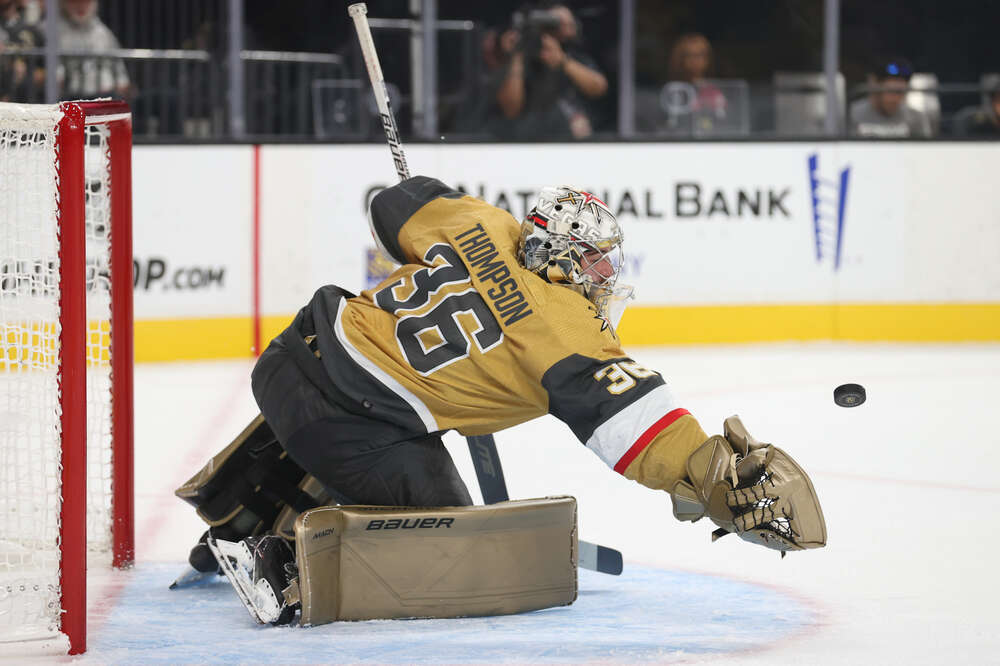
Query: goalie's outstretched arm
[[628, 416]]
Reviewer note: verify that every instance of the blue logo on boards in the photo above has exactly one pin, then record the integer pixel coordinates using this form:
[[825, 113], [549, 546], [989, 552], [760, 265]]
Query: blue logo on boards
[[829, 201], [378, 266]]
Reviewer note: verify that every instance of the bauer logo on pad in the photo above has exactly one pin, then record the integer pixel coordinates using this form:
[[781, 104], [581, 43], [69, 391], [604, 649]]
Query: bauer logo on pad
[[409, 523]]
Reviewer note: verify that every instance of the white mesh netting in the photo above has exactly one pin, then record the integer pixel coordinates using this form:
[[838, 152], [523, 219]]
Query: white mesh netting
[[29, 354], [98, 231]]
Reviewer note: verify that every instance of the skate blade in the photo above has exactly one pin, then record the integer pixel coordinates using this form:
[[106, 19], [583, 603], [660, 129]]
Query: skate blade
[[236, 563]]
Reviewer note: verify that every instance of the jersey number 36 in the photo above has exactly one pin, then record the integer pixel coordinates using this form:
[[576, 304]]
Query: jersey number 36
[[440, 323]]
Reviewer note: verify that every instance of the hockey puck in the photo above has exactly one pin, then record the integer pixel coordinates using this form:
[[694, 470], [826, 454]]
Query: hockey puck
[[849, 395]]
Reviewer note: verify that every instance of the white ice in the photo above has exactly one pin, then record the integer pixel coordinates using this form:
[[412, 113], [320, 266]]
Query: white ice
[[909, 485]]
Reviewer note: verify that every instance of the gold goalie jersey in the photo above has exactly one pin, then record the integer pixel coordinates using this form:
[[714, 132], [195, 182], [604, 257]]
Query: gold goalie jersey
[[462, 337]]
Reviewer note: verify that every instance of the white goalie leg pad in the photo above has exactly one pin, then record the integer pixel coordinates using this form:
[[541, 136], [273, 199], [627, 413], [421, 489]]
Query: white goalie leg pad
[[237, 563]]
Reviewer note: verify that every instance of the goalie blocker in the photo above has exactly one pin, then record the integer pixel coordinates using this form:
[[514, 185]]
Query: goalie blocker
[[364, 562]]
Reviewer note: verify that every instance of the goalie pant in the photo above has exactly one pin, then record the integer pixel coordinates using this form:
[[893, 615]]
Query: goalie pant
[[362, 459]]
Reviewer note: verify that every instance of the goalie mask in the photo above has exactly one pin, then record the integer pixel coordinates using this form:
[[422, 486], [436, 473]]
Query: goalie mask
[[571, 238]]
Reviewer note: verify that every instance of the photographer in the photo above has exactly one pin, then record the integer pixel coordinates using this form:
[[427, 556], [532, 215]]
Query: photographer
[[547, 79]]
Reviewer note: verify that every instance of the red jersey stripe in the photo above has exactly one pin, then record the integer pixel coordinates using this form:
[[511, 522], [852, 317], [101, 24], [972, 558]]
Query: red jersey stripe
[[646, 437]]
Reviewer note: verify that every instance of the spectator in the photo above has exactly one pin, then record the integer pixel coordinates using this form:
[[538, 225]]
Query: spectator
[[690, 62], [81, 31], [884, 114], [21, 76], [546, 79], [12, 18], [982, 120]]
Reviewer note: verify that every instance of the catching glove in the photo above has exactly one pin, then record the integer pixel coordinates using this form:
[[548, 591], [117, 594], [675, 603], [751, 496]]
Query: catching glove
[[751, 488]]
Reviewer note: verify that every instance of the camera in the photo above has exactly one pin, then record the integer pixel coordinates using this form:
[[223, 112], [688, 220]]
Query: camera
[[541, 20], [532, 23]]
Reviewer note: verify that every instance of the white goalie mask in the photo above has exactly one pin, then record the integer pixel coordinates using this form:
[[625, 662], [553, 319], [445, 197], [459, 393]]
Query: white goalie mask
[[571, 238]]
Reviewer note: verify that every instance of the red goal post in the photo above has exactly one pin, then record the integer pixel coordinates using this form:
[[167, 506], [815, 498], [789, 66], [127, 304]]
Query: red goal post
[[65, 360]]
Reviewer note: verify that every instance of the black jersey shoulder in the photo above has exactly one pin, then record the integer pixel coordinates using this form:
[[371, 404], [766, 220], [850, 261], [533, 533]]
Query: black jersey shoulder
[[579, 393], [393, 206]]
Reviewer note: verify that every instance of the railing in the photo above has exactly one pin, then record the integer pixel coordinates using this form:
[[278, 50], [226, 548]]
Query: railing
[[801, 105], [280, 89], [200, 82], [943, 106], [178, 93], [184, 95], [710, 108], [166, 24], [427, 100], [172, 92]]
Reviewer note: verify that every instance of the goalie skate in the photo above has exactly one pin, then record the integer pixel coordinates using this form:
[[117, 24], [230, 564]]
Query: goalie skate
[[262, 599]]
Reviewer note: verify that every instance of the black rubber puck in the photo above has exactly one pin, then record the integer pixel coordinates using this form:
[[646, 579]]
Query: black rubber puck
[[849, 395]]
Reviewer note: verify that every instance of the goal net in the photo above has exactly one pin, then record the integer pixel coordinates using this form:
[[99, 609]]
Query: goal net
[[65, 360]]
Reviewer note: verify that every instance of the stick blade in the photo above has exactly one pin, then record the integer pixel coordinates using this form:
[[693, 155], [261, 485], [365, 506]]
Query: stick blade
[[191, 578], [599, 558]]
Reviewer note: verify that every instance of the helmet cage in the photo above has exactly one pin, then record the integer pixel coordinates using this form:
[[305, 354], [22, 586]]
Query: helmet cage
[[571, 238]]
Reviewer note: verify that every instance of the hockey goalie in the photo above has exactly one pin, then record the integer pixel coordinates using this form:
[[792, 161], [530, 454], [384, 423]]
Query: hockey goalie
[[342, 500]]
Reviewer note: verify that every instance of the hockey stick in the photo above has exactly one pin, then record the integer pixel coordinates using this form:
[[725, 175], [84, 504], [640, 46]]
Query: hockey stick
[[489, 471], [359, 12], [483, 448]]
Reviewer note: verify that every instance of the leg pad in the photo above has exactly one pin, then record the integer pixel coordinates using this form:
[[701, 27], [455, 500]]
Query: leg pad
[[251, 486], [366, 562]]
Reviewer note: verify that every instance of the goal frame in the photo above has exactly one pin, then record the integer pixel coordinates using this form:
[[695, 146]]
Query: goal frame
[[70, 149]]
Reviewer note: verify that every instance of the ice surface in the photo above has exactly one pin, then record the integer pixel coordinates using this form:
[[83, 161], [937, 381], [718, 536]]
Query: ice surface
[[908, 482], [647, 615]]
